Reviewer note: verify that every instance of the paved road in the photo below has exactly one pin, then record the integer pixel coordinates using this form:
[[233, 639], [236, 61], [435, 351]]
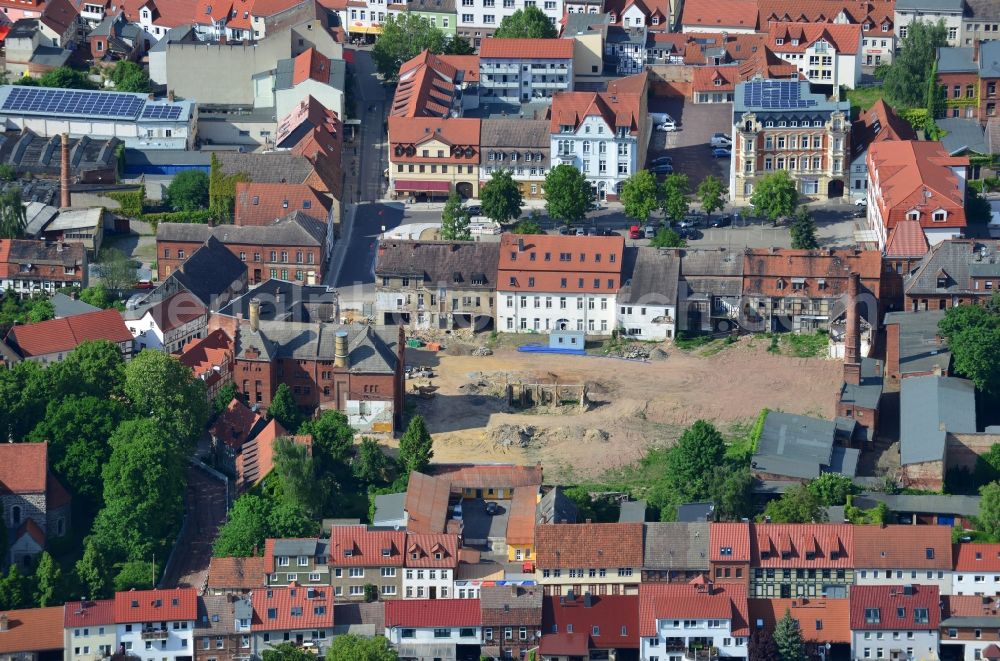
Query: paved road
[[205, 505]]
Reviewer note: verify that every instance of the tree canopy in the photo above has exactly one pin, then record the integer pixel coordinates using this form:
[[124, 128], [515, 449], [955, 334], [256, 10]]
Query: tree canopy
[[351, 647], [698, 451], [65, 77], [115, 269], [640, 195], [711, 194], [667, 238], [567, 194], [284, 409], [129, 77], [775, 195], [989, 510], [527, 226], [404, 36], [674, 199], [797, 505], [455, 220], [188, 191], [501, 197], [162, 388], [973, 335], [788, 639], [13, 217], [415, 446], [527, 23], [906, 80], [832, 489], [253, 519], [803, 230]]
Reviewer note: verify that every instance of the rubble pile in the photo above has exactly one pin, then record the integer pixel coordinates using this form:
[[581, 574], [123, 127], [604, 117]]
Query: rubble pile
[[483, 351]]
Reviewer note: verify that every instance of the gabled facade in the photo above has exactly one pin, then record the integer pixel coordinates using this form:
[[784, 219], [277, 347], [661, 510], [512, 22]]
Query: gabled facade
[[359, 556], [90, 632], [37, 267], [688, 620], [168, 325], [970, 627], [430, 566], [895, 622], [903, 555], [296, 614], [296, 561], [976, 570], [157, 622], [825, 54], [432, 158], [512, 617], [595, 558], [801, 560], [417, 627], [51, 341]]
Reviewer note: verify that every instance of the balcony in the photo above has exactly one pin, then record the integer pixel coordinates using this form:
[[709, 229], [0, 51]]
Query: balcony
[[487, 68], [154, 634]]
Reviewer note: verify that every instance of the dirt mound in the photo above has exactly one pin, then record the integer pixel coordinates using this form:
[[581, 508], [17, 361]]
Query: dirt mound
[[508, 436], [658, 354], [596, 436], [458, 349]]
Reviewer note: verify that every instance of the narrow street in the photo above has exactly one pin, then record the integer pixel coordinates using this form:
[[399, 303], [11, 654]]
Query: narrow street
[[205, 507]]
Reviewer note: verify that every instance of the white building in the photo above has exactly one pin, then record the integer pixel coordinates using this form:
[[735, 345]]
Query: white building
[[169, 324], [824, 53], [903, 555], [602, 134], [430, 565], [691, 616], [296, 614], [557, 282], [977, 570], [931, 11], [89, 630], [478, 19], [431, 628], [647, 301], [895, 622], [157, 625], [521, 70]]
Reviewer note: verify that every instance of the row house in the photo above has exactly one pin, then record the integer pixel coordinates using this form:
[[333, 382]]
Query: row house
[[968, 77], [169, 324], [895, 622], [558, 283], [823, 623], [521, 148], [879, 123], [950, 12], [293, 247], [223, 629], [430, 566], [479, 19], [593, 558], [694, 620], [781, 125], [825, 54], [522, 70], [916, 181], [982, 22], [801, 560], [156, 624], [300, 561], [625, 49], [89, 631], [729, 553], [511, 618], [875, 17], [52, 340], [589, 626], [900, 555], [294, 614], [30, 267], [436, 284], [656, 15], [675, 552], [970, 627], [976, 570], [734, 17], [442, 628], [602, 134], [953, 273], [360, 557], [431, 85], [432, 158]]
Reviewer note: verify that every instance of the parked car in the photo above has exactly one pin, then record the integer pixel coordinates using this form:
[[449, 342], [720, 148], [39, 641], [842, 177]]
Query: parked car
[[860, 212], [580, 231], [721, 140], [861, 202], [722, 221], [608, 232], [690, 221], [663, 168], [593, 231], [474, 209], [661, 160], [565, 231], [667, 126], [492, 508], [633, 232], [649, 232], [660, 117], [721, 153]]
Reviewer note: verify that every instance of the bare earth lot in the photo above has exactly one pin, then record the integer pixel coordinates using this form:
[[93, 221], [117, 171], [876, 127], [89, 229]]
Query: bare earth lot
[[634, 405]]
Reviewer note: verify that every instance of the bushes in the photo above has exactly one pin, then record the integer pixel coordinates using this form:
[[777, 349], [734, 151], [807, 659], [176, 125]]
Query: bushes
[[132, 202], [199, 216]]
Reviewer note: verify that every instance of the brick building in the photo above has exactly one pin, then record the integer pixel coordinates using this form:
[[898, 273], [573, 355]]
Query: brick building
[[35, 267], [512, 617], [223, 628], [953, 273], [51, 341], [729, 553], [599, 558], [360, 557]]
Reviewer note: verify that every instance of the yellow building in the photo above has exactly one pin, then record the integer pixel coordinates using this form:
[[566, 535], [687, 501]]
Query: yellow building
[[521, 525], [431, 157]]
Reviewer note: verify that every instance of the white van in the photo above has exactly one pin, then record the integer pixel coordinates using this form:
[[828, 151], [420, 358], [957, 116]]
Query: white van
[[660, 118], [483, 226]]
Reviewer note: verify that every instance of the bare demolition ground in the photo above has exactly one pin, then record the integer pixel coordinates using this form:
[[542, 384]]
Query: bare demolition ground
[[633, 405]]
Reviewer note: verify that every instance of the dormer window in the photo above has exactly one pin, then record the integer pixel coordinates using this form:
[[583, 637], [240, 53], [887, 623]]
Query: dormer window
[[795, 42], [885, 27], [655, 20], [718, 82], [780, 284], [867, 26], [940, 216], [437, 556], [779, 41], [347, 554], [913, 215]]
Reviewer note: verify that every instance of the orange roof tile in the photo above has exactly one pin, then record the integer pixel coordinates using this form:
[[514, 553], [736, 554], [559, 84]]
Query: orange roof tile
[[426, 503], [484, 476], [875, 12], [820, 620], [427, 613], [977, 557], [845, 37], [704, 79], [236, 424], [310, 64], [156, 605], [87, 613], [718, 14], [519, 49], [262, 204], [356, 546], [256, 460], [764, 268], [292, 607], [406, 134], [427, 85], [23, 467], [589, 545], [63, 335], [236, 573], [729, 542], [539, 266], [896, 605], [697, 600], [32, 630], [907, 239], [801, 545], [431, 550], [877, 124], [32, 530], [618, 110], [972, 605], [913, 175], [521, 518]]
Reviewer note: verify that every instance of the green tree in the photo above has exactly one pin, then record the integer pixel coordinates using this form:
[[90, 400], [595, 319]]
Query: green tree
[[96, 296], [977, 207], [788, 639], [403, 37], [640, 195], [989, 510], [674, 196], [692, 461], [25, 389], [7, 172], [459, 45], [254, 519], [527, 226], [973, 335], [13, 217], [284, 409], [295, 471], [797, 505], [567, 194], [161, 387], [226, 394], [287, 652], [832, 489], [129, 77], [803, 230], [731, 489], [48, 582], [775, 195], [351, 647], [135, 575], [711, 194], [93, 572], [66, 77], [667, 238], [41, 311], [333, 439], [15, 589], [115, 269], [93, 368], [935, 95], [415, 446], [188, 191], [906, 80], [144, 481], [527, 23], [455, 220], [371, 465], [501, 197]]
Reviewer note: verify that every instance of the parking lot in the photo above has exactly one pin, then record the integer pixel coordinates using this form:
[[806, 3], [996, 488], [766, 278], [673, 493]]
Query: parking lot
[[689, 146]]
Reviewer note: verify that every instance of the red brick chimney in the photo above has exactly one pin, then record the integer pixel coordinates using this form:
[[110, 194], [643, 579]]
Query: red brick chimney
[[852, 333], [64, 196]]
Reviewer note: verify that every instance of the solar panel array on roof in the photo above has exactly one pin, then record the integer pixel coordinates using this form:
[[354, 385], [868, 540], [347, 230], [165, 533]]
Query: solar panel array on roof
[[775, 94], [161, 112], [73, 102]]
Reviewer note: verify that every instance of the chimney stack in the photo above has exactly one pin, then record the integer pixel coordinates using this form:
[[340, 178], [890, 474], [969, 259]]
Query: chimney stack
[[254, 314], [64, 196], [852, 333], [340, 350], [3, 622]]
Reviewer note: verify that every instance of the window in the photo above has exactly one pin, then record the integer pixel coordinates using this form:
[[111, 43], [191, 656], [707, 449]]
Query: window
[[873, 616], [442, 633], [920, 615]]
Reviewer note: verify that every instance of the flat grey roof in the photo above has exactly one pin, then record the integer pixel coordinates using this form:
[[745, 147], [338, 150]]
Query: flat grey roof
[[919, 349], [389, 508], [963, 135], [923, 504], [929, 407], [632, 511], [952, 59], [794, 445]]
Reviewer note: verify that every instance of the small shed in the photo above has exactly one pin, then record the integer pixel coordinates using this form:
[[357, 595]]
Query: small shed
[[567, 339]]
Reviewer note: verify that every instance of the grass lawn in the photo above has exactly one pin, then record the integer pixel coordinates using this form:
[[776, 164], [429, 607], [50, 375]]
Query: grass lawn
[[863, 99]]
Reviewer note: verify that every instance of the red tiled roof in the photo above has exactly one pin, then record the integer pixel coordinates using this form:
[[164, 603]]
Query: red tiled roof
[[236, 573], [461, 476], [820, 620], [422, 549], [875, 12], [56, 495], [535, 49], [467, 64], [915, 175], [887, 599], [292, 607], [32, 630], [729, 542], [769, 272], [236, 424], [427, 86], [256, 460], [617, 619], [589, 545], [692, 601], [969, 606], [23, 467], [878, 124], [991, 651], [430, 613], [156, 605], [977, 557], [902, 547], [453, 132], [311, 64], [262, 204], [61, 335], [356, 546], [790, 545], [907, 239], [205, 354], [844, 37], [718, 14], [521, 518], [618, 109], [87, 613], [591, 258], [426, 503], [704, 78]]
